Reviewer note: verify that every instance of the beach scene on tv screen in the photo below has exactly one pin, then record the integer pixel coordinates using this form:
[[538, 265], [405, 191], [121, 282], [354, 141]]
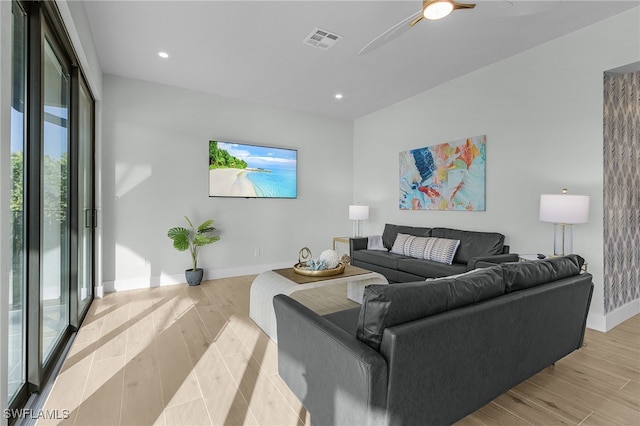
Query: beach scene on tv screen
[[241, 170]]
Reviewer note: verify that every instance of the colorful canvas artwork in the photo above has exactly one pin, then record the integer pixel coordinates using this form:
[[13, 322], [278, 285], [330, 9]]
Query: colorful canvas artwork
[[449, 176]]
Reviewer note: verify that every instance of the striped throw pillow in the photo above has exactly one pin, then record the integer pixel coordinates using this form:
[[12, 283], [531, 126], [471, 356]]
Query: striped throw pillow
[[399, 244], [441, 250], [416, 247]]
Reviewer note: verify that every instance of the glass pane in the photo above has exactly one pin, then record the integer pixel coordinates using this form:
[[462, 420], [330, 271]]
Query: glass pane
[[55, 201], [85, 202], [17, 308]]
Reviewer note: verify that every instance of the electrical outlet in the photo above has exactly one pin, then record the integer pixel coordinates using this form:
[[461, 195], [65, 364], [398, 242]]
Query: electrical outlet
[[256, 252]]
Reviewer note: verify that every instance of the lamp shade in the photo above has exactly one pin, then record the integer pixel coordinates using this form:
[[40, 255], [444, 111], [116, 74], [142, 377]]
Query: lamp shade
[[564, 208], [358, 212]]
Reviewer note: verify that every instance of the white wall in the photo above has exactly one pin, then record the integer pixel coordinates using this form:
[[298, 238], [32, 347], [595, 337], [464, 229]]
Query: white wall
[[155, 171], [542, 113]]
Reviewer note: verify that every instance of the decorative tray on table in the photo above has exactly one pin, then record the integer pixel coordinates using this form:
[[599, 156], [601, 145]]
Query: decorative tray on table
[[303, 269], [305, 258]]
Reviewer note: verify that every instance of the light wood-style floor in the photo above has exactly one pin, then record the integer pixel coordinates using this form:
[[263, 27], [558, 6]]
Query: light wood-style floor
[[183, 355]]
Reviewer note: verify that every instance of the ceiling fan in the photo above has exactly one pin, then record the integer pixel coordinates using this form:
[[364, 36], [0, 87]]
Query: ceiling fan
[[431, 9]]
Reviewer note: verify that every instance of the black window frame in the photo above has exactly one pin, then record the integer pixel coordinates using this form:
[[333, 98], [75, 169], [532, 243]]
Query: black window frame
[[43, 19]]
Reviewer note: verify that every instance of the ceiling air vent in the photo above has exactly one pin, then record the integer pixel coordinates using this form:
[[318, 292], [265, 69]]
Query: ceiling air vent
[[322, 39]]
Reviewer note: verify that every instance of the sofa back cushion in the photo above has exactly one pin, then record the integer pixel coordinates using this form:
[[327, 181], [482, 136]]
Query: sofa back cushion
[[521, 275], [390, 232], [388, 305], [472, 243]]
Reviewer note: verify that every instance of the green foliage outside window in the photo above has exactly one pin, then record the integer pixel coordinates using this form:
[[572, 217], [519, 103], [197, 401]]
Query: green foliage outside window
[[17, 191], [55, 196]]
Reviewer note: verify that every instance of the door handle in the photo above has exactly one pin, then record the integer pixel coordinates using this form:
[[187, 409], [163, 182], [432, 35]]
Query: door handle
[[90, 218]]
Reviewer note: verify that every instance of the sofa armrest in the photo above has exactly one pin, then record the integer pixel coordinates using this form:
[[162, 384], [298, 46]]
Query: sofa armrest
[[359, 243], [495, 259], [338, 378]]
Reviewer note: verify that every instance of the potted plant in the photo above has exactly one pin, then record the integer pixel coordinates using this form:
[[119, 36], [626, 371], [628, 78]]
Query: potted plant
[[192, 239]]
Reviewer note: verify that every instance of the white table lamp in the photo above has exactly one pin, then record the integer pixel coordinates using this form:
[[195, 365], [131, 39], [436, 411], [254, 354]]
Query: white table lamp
[[358, 213], [564, 210]]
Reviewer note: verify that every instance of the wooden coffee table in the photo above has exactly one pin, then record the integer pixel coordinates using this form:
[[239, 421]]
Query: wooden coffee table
[[286, 281]]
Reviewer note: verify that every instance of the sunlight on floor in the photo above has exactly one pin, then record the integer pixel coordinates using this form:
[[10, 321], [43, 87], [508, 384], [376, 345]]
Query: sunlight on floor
[[174, 355]]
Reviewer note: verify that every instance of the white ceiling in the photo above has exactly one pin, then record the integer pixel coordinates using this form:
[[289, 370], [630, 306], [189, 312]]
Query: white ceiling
[[253, 50]]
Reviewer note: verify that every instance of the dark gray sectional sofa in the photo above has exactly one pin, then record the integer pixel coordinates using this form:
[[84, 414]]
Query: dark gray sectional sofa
[[476, 249], [432, 352]]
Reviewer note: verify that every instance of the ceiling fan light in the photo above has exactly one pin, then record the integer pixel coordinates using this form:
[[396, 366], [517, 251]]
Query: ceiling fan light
[[437, 9]]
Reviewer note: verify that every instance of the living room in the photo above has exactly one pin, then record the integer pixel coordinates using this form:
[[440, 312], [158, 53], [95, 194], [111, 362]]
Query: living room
[[541, 110]]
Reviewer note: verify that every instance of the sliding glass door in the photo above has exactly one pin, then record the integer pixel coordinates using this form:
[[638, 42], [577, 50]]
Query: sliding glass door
[[54, 214], [17, 302], [86, 210], [52, 198]]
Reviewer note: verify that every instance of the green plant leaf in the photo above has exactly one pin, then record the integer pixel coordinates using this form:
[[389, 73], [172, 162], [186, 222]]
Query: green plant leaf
[[206, 230], [181, 242], [202, 240], [206, 227], [180, 237], [189, 222], [176, 231]]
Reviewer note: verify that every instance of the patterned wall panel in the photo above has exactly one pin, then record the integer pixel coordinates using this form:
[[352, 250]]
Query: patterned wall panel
[[621, 189]]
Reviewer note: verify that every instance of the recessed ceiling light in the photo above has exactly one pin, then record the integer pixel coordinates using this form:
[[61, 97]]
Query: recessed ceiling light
[[163, 55], [338, 96]]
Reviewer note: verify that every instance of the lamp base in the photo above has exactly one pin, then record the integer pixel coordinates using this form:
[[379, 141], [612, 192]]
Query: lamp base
[[562, 239], [356, 228]]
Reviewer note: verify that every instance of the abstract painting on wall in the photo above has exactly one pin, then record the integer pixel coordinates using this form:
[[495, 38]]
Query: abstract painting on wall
[[449, 176]]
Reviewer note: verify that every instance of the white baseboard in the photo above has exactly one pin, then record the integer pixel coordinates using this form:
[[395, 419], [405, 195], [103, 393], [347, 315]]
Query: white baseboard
[[608, 321], [597, 322], [166, 279]]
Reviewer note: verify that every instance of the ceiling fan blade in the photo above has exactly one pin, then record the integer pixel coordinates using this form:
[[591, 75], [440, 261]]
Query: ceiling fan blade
[[457, 6], [391, 33], [415, 21]]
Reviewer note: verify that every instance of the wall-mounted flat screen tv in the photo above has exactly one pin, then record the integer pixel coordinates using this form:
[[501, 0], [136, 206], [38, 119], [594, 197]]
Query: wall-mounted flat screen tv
[[252, 171]]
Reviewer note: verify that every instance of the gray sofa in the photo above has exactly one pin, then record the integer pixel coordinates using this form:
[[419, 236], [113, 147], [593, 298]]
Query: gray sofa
[[477, 249], [432, 352]]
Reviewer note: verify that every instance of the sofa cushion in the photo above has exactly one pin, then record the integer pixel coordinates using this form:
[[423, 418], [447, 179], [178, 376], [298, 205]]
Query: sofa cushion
[[377, 257], [388, 305], [521, 275], [472, 243], [429, 268], [390, 232]]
